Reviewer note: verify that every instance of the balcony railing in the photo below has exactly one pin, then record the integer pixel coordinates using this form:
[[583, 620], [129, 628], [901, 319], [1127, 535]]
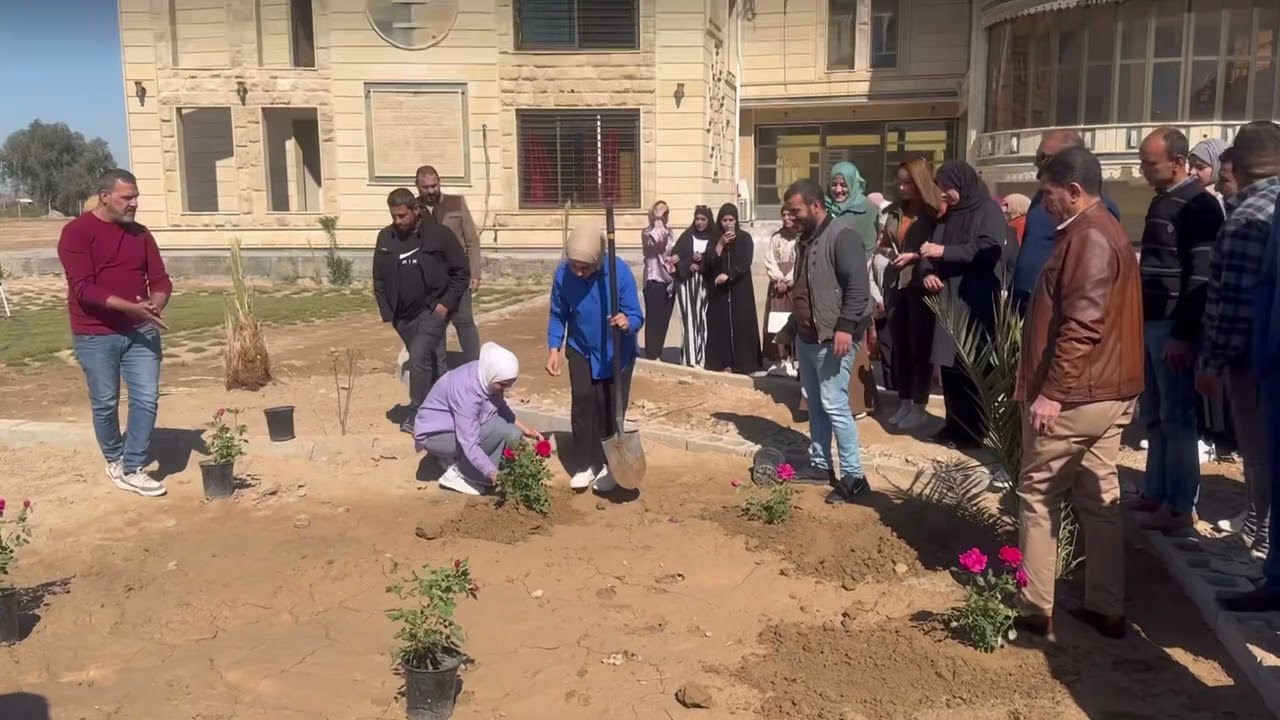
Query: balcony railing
[[1108, 142]]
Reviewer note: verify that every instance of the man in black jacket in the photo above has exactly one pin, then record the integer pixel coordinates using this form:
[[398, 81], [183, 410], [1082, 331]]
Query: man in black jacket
[[1177, 241], [419, 275]]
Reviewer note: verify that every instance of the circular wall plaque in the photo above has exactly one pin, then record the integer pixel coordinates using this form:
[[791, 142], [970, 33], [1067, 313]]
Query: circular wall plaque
[[412, 24]]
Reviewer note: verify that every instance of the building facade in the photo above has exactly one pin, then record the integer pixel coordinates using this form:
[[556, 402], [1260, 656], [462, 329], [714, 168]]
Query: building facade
[[875, 82], [256, 118], [1116, 71]]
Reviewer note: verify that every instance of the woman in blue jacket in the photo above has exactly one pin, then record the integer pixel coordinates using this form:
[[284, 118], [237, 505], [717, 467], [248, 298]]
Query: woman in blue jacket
[[581, 325]]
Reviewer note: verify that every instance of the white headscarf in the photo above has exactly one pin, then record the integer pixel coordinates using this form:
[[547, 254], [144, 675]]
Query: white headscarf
[[497, 364]]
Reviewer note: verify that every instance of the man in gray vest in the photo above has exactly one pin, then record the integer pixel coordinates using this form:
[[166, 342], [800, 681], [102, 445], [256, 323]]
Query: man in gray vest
[[830, 307]]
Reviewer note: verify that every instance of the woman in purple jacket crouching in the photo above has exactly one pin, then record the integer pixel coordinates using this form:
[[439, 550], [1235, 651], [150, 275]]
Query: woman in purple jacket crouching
[[465, 422]]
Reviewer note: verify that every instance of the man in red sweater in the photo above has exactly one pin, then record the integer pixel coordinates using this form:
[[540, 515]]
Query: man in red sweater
[[117, 288]]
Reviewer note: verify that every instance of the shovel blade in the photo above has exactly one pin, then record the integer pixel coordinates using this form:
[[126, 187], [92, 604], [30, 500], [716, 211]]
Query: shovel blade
[[626, 458]]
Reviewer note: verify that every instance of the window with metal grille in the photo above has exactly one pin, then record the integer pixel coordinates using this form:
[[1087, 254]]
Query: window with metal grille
[[577, 25], [586, 157]]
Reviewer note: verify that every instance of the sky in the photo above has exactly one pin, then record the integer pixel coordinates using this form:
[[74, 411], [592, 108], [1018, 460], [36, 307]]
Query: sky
[[60, 61]]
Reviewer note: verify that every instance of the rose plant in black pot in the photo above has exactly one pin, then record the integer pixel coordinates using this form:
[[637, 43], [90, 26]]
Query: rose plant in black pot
[[226, 443], [14, 534], [429, 640]]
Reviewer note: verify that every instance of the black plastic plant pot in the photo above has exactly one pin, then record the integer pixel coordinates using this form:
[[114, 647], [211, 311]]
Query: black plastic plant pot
[[10, 629], [280, 423], [219, 479], [430, 694]]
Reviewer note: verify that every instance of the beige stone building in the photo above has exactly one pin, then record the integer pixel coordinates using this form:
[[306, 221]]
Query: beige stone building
[[255, 118], [875, 82], [1115, 71]]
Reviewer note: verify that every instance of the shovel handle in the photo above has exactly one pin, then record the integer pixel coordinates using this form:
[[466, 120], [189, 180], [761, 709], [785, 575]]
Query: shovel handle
[[619, 412]]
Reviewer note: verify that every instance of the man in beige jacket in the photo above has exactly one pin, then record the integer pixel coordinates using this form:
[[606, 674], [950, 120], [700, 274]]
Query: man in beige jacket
[[452, 212], [1079, 375]]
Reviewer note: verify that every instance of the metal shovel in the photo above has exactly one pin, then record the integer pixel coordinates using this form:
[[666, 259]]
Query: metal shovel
[[622, 449]]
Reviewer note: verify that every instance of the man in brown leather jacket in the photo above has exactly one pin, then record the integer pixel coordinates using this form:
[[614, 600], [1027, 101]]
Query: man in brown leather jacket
[[1080, 372]]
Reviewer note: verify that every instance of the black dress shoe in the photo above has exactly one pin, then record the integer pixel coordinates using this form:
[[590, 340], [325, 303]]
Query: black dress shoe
[[849, 487], [1108, 626], [1039, 625], [1264, 599], [406, 426]]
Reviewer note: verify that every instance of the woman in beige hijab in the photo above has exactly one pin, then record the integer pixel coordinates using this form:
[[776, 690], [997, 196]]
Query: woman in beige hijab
[[581, 324]]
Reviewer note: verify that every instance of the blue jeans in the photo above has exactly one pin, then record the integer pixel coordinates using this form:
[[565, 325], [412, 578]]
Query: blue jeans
[[825, 378], [1168, 410], [105, 358]]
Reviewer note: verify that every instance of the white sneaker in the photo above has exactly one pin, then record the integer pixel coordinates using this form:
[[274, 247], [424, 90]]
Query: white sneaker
[[582, 480], [1206, 452], [1233, 525], [115, 471], [141, 483], [793, 370], [914, 418], [900, 413], [604, 481], [454, 480]]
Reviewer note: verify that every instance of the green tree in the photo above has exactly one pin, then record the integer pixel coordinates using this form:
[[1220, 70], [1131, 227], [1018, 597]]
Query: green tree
[[53, 164]]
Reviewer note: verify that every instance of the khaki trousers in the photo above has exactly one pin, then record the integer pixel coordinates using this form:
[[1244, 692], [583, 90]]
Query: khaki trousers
[[1078, 459]]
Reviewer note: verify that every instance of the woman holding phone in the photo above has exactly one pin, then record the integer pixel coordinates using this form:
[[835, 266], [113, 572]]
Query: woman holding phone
[[691, 293], [659, 285], [733, 339]]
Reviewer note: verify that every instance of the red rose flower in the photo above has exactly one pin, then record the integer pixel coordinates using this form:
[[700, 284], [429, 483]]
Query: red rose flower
[[508, 454], [543, 448], [26, 504]]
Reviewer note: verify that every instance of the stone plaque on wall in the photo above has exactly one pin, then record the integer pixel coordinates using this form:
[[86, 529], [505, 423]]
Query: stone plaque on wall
[[412, 24], [414, 124]]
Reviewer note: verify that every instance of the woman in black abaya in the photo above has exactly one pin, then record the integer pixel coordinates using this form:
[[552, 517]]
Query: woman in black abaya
[[960, 265], [733, 332]]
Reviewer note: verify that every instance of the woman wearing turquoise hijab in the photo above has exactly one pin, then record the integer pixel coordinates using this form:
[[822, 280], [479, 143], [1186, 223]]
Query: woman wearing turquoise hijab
[[847, 204]]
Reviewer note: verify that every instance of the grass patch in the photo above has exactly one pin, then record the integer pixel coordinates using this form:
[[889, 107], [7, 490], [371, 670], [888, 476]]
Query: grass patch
[[33, 335], [38, 332]]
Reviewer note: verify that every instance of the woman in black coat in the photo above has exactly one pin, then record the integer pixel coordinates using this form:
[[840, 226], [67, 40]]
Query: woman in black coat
[[733, 332], [960, 265]]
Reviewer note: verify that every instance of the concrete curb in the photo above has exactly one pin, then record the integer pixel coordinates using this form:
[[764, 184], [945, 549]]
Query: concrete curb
[[1252, 640]]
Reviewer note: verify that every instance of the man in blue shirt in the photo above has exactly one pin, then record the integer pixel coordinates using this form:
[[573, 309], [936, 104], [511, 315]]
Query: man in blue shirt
[[1037, 238]]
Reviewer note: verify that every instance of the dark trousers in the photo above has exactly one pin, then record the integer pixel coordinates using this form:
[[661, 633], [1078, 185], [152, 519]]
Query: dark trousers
[[464, 324], [912, 324], [422, 335], [966, 420], [591, 412], [657, 317]]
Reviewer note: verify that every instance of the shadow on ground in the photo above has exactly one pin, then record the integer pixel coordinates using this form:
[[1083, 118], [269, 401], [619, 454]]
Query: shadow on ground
[[172, 448], [24, 706], [31, 601]]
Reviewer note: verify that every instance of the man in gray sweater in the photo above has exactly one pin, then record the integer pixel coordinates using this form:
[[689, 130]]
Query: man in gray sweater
[[830, 307]]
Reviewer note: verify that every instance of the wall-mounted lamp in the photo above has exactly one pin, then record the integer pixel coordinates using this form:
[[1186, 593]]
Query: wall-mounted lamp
[[242, 91], [140, 92], [679, 93]]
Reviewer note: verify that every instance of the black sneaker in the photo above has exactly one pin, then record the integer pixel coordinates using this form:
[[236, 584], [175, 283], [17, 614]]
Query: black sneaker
[[849, 487], [406, 426], [814, 475]]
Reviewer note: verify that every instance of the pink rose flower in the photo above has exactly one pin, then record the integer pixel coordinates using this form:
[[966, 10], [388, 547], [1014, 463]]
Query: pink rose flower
[[1011, 556], [786, 473], [973, 560], [734, 482], [1020, 578], [543, 448]]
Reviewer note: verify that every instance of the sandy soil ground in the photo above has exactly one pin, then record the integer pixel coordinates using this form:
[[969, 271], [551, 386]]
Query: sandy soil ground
[[271, 606]]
